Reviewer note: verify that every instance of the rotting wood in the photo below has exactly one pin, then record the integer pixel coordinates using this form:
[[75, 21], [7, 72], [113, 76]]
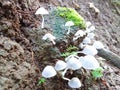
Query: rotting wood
[[109, 56]]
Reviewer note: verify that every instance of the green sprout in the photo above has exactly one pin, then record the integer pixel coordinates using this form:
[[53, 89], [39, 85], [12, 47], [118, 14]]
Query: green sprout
[[71, 15], [66, 54], [97, 73], [71, 48], [41, 81]]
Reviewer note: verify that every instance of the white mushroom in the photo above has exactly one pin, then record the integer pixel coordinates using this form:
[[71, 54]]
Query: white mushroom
[[90, 29], [60, 65], [89, 62], [73, 63], [69, 24], [50, 37], [74, 83], [91, 5], [91, 35], [42, 11], [81, 45], [48, 72], [89, 50], [86, 41], [98, 45], [78, 34], [88, 24]]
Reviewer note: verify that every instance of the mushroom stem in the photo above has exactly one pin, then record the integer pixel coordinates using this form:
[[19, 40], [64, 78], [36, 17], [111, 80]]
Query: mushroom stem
[[79, 52], [53, 41], [68, 30], [63, 75], [66, 78], [42, 25]]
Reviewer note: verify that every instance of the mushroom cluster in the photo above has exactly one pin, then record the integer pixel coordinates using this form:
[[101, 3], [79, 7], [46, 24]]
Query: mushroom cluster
[[89, 48], [72, 62]]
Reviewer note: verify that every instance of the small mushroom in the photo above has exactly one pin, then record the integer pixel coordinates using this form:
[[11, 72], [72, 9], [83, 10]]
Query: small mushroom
[[74, 83], [91, 35], [89, 50], [50, 37], [86, 41], [91, 5], [89, 62], [60, 65], [42, 11], [78, 34], [98, 45], [90, 29], [48, 72], [81, 45], [88, 24], [69, 24], [73, 63]]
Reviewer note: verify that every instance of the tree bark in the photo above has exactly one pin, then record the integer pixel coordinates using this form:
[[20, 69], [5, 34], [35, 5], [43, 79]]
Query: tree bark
[[109, 56]]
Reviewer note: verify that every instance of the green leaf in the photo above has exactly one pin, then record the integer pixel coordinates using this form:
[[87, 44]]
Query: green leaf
[[68, 53], [70, 48], [41, 81], [97, 73]]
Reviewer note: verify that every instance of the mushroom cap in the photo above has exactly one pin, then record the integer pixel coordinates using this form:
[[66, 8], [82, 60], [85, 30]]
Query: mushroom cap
[[60, 65], [48, 36], [89, 62], [78, 34], [91, 35], [89, 50], [90, 29], [81, 45], [74, 83], [88, 24], [91, 5], [41, 10], [69, 23], [86, 40], [48, 72], [73, 63], [98, 45]]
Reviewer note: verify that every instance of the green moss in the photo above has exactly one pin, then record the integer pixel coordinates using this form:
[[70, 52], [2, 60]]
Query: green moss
[[117, 2], [71, 15]]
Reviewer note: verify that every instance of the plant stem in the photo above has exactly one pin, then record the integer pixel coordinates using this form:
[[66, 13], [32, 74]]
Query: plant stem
[[42, 25], [63, 75], [68, 30], [53, 41]]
